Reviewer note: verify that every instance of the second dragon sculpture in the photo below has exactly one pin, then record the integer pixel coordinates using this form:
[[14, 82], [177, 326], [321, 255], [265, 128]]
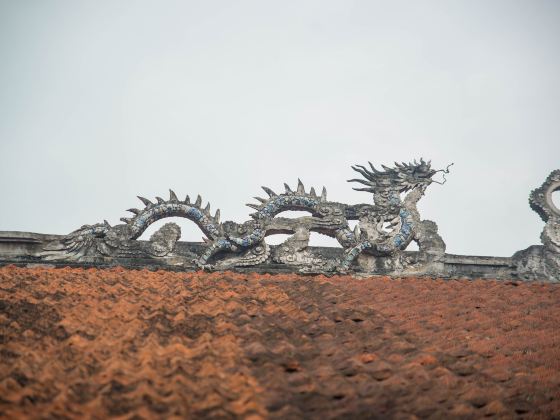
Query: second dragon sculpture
[[384, 228]]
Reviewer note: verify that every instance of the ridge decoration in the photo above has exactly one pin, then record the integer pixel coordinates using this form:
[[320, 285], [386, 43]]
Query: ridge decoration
[[384, 229], [543, 261]]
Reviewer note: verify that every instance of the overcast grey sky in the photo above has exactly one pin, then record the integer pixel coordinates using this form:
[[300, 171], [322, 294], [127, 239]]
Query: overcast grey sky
[[101, 101]]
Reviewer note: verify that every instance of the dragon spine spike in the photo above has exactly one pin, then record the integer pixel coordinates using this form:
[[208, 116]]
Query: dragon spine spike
[[324, 194], [125, 220], [385, 168], [287, 188], [300, 187], [135, 211], [172, 196], [160, 200], [145, 201], [217, 216], [106, 223], [187, 200], [262, 200], [253, 206], [207, 208], [198, 201], [269, 191], [312, 192]]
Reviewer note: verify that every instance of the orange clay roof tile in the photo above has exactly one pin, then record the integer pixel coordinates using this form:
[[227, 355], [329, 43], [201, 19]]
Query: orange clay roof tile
[[141, 344]]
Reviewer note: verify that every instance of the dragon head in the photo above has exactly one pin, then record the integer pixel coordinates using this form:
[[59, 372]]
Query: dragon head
[[401, 178]]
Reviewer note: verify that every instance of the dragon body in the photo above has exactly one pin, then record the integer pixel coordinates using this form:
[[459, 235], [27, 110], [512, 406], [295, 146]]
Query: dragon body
[[384, 228], [543, 261]]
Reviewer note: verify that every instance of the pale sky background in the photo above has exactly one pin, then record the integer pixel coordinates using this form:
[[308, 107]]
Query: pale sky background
[[101, 101]]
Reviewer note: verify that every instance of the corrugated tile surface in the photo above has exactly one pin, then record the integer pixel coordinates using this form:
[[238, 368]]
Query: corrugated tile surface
[[80, 343]]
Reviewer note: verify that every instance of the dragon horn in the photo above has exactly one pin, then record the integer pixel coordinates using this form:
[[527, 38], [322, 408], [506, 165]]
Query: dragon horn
[[373, 168], [371, 190], [368, 175], [361, 181]]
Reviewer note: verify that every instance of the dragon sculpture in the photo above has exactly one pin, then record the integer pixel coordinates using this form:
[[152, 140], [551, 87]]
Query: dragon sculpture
[[384, 228], [543, 261]]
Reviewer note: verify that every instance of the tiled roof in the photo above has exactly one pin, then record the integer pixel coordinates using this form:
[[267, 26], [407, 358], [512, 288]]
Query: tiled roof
[[140, 344]]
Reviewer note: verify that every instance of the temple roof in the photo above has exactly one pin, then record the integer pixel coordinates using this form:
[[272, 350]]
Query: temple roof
[[142, 344]]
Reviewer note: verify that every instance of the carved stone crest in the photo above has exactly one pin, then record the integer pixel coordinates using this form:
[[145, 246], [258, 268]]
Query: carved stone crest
[[384, 228]]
